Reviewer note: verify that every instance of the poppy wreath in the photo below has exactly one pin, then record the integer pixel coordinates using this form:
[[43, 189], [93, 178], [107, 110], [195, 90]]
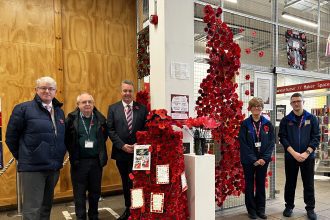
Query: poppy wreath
[[166, 148], [218, 99], [143, 55]]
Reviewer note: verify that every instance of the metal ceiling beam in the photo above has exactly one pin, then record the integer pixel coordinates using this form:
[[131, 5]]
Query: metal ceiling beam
[[291, 3]]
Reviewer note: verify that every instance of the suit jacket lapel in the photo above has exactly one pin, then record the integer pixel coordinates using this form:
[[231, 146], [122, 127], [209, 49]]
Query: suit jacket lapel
[[121, 111]]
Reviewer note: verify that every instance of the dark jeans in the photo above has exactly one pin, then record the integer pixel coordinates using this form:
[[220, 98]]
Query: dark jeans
[[255, 175], [125, 168], [86, 176], [307, 175], [38, 193]]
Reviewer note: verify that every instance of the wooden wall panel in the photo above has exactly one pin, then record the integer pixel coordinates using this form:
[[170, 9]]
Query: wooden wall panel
[[26, 53], [87, 45], [98, 49]]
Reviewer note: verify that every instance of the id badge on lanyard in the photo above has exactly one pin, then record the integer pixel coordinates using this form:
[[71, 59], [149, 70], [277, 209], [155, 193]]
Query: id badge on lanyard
[[258, 143], [89, 144]]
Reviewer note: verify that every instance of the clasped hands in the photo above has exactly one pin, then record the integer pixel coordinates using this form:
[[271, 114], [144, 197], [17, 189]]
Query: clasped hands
[[128, 148], [300, 157], [260, 162]]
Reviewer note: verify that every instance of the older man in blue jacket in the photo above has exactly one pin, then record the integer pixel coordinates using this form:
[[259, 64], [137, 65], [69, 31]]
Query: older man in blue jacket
[[35, 137], [300, 135]]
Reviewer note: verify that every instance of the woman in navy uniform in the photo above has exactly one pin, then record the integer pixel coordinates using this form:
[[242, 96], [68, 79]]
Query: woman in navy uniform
[[257, 141]]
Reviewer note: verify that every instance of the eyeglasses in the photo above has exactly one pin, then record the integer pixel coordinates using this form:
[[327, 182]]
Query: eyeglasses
[[296, 102], [258, 106], [44, 89], [87, 102]]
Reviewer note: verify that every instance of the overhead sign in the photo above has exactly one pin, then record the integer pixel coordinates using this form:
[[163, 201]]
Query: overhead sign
[[325, 84]]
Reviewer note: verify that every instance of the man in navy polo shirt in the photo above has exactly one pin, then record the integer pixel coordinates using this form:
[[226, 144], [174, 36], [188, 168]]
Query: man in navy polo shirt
[[300, 135]]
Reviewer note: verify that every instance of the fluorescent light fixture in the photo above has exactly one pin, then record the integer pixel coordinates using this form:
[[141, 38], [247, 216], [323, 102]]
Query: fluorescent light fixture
[[299, 20], [232, 1], [238, 36]]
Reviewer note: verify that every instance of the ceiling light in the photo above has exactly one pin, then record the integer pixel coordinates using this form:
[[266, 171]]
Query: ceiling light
[[238, 36], [232, 1], [298, 20]]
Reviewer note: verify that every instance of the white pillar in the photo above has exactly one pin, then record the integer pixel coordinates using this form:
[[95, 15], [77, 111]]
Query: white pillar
[[171, 41]]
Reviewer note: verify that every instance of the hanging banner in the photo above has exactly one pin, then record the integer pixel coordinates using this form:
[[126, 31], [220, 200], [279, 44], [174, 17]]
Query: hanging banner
[[325, 84]]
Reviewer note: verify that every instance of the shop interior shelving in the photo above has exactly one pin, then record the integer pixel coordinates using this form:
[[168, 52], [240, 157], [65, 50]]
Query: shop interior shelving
[[322, 162]]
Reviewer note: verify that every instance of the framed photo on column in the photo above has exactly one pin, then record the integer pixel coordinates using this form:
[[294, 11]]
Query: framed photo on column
[[264, 88]]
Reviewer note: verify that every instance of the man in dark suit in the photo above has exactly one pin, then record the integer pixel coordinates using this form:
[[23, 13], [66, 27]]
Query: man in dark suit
[[125, 118]]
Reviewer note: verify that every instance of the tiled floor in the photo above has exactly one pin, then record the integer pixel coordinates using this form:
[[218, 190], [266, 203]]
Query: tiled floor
[[110, 207]]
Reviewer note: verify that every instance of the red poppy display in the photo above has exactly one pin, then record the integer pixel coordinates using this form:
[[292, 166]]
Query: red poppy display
[[218, 100], [166, 148], [143, 97]]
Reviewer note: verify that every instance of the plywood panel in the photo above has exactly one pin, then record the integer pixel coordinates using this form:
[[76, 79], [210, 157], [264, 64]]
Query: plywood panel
[[85, 45], [97, 55], [26, 53]]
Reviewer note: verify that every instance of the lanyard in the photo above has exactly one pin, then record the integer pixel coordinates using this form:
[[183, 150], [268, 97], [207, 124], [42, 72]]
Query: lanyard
[[90, 124], [257, 131], [301, 121]]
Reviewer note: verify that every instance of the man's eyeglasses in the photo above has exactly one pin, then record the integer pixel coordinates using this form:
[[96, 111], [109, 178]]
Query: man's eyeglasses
[[44, 89], [87, 102], [296, 102]]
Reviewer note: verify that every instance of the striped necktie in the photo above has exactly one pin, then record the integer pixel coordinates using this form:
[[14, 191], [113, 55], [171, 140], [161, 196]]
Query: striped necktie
[[129, 118]]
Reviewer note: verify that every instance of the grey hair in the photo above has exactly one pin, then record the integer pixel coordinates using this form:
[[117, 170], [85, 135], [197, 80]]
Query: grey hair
[[46, 79], [128, 82], [84, 93]]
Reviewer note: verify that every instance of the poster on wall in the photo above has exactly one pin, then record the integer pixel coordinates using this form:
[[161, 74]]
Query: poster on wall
[[280, 112], [296, 49], [1, 150], [263, 88], [179, 106]]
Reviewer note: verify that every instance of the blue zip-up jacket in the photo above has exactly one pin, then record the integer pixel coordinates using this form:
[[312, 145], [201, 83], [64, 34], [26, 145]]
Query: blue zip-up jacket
[[247, 138], [308, 135], [31, 136]]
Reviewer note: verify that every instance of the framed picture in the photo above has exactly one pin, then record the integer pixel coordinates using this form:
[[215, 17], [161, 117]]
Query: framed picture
[[280, 112], [179, 106], [263, 88], [137, 198], [296, 49], [157, 202], [142, 157], [163, 174], [184, 184]]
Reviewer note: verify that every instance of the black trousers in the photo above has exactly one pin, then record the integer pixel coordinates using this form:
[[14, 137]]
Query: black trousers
[[38, 193], [307, 175], [86, 176], [255, 175], [125, 168]]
